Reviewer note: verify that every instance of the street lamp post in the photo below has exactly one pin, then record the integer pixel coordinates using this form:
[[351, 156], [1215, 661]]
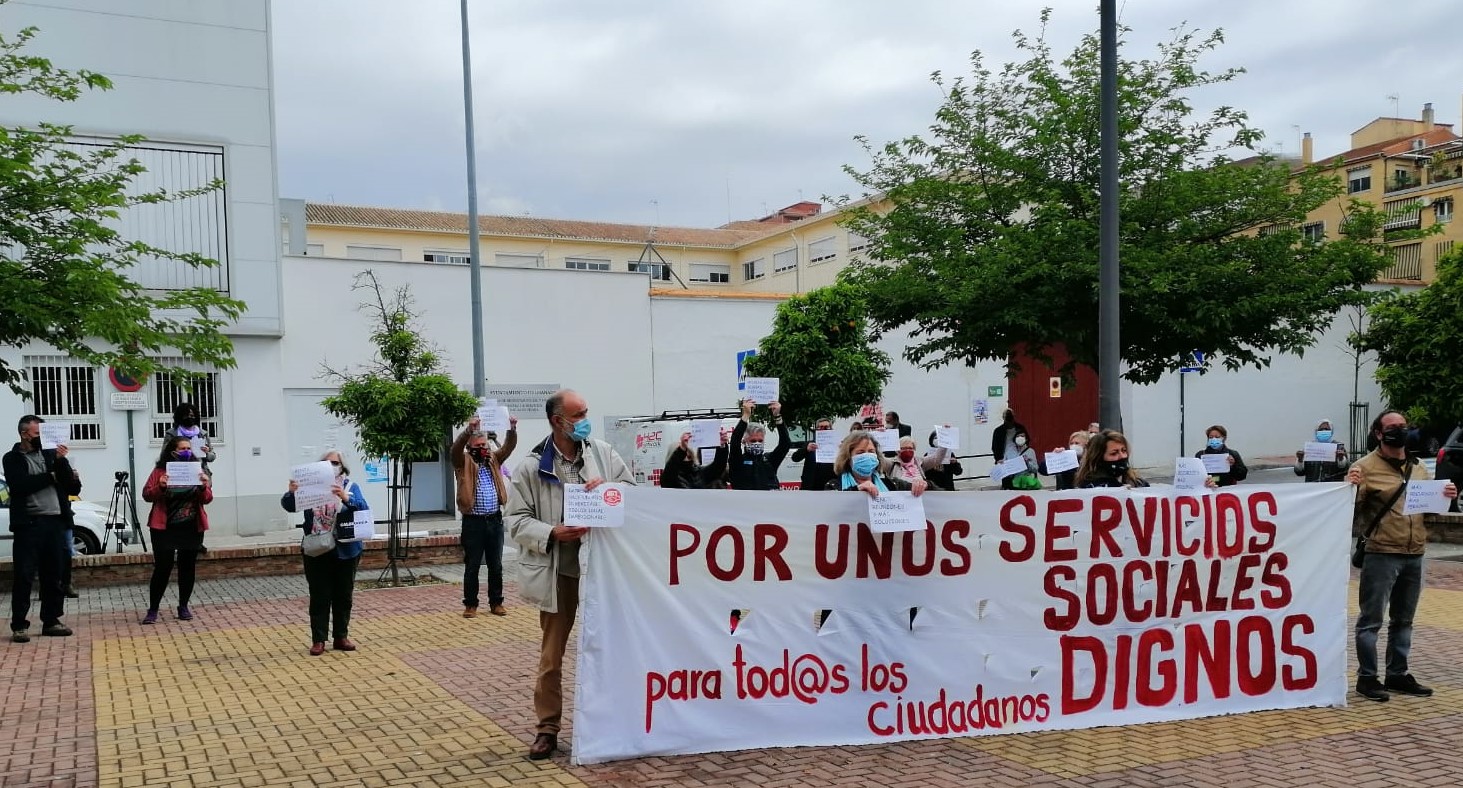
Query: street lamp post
[[479, 371], [1109, 349]]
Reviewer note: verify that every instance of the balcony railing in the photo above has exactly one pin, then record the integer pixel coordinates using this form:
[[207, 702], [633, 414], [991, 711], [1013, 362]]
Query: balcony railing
[[1399, 184]]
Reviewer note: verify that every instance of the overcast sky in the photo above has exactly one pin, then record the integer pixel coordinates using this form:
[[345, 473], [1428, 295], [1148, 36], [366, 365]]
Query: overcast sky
[[688, 112]]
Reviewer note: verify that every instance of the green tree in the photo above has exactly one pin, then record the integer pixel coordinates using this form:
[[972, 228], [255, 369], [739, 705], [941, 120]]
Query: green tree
[[821, 351], [401, 405], [63, 265], [1415, 338], [985, 233]]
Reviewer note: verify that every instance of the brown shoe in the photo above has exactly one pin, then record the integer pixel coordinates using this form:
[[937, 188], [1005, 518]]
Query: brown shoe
[[344, 644], [317, 648], [470, 612], [499, 610], [543, 746]]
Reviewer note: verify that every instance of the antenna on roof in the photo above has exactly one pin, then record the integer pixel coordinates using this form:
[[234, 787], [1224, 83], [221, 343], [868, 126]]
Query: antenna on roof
[[656, 205]]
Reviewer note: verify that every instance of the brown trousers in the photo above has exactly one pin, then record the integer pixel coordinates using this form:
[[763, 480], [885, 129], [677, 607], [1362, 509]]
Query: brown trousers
[[548, 693]]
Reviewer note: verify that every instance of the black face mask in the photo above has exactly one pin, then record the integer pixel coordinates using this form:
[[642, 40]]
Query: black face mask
[[1117, 468], [189, 421], [1394, 437], [479, 453]]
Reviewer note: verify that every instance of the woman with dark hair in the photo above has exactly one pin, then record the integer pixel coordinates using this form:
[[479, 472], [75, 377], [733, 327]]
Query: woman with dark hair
[[186, 424], [1217, 437], [942, 476], [1105, 463], [177, 522], [858, 467], [332, 576]]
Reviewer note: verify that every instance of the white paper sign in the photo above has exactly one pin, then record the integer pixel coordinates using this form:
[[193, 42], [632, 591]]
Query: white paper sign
[[1216, 463], [704, 433], [487, 409], [315, 480], [896, 511], [602, 507], [495, 420], [762, 390], [1320, 452], [1426, 497], [55, 433], [708, 455], [365, 525], [1189, 474], [827, 441], [947, 438], [183, 474], [888, 440], [1011, 467], [1061, 461]]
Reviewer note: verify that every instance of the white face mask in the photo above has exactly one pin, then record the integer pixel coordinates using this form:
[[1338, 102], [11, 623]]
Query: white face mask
[[1077, 449], [1020, 440]]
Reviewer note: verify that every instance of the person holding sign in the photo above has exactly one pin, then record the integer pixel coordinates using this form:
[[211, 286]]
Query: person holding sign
[[684, 471], [1315, 469], [1027, 479], [1105, 463], [331, 576], [816, 474], [548, 555], [1067, 478], [859, 467], [481, 493], [942, 476], [752, 468], [41, 483], [178, 490], [908, 468], [1224, 464], [1391, 571]]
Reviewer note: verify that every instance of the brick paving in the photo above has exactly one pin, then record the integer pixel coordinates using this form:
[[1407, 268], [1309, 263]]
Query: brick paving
[[231, 699]]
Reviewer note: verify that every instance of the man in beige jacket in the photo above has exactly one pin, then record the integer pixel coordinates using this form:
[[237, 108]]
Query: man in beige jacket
[[548, 555], [482, 496]]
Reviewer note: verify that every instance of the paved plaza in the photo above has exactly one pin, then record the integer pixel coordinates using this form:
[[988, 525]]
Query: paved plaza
[[231, 699]]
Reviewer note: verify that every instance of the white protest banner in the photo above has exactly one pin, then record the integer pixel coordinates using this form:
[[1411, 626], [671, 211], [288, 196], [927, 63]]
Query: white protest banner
[[947, 438], [705, 433], [1036, 611], [365, 526], [183, 474], [1061, 461], [762, 390], [893, 512], [827, 441], [1215, 463], [602, 507], [315, 480], [888, 440], [1189, 474], [1011, 467], [1426, 497], [1320, 452], [55, 433]]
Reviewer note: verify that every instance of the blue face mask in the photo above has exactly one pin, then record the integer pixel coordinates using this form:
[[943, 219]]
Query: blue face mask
[[865, 464], [1323, 436], [1216, 443], [581, 430]]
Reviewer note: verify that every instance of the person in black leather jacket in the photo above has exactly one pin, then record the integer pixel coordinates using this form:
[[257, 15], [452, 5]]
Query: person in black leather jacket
[[815, 474], [752, 466]]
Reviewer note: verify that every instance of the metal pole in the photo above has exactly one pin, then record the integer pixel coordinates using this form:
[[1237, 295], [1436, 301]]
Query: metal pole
[[479, 370], [1109, 349], [1182, 377]]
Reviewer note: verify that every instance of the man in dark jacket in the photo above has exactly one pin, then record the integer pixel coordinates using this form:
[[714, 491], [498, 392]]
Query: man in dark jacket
[[816, 475], [1003, 437], [41, 482], [891, 421], [752, 468]]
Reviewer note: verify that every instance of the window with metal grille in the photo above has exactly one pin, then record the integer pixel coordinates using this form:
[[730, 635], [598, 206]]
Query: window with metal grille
[[1314, 232], [64, 389], [1443, 210], [785, 260], [1271, 229], [167, 390]]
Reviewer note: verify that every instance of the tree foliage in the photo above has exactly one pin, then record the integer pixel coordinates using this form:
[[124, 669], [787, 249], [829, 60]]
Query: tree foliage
[[63, 264], [1415, 338], [821, 351], [401, 404], [984, 233]]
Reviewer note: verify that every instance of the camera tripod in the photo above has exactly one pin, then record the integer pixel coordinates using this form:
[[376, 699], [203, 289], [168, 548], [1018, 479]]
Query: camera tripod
[[122, 516]]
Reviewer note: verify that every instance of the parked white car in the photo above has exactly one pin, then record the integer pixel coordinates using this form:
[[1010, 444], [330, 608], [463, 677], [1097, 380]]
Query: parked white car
[[91, 525]]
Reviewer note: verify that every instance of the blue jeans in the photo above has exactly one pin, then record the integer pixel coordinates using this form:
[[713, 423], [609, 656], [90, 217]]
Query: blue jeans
[[1390, 583], [482, 535]]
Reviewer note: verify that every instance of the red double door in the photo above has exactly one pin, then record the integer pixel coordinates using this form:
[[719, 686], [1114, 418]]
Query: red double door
[[1051, 419]]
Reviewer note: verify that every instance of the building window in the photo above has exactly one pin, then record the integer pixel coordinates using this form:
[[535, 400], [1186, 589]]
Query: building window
[[1271, 229], [167, 391], [1443, 210], [1315, 232], [64, 389], [711, 273], [586, 264], [754, 269], [1358, 180], [315, 250], [1402, 215], [448, 256], [1443, 248], [857, 243], [656, 270], [383, 253], [785, 260], [518, 260], [822, 250]]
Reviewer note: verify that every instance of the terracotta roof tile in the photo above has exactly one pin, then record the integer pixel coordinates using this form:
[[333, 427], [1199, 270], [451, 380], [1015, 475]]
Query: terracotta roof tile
[[439, 221], [1394, 145]]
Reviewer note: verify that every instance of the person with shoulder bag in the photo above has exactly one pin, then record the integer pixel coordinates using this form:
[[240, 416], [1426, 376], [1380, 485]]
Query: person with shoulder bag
[[177, 523], [330, 564]]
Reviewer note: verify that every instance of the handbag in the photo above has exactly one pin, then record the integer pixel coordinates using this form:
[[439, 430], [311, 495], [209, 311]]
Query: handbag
[[318, 543], [345, 524], [1358, 552], [1026, 481]]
